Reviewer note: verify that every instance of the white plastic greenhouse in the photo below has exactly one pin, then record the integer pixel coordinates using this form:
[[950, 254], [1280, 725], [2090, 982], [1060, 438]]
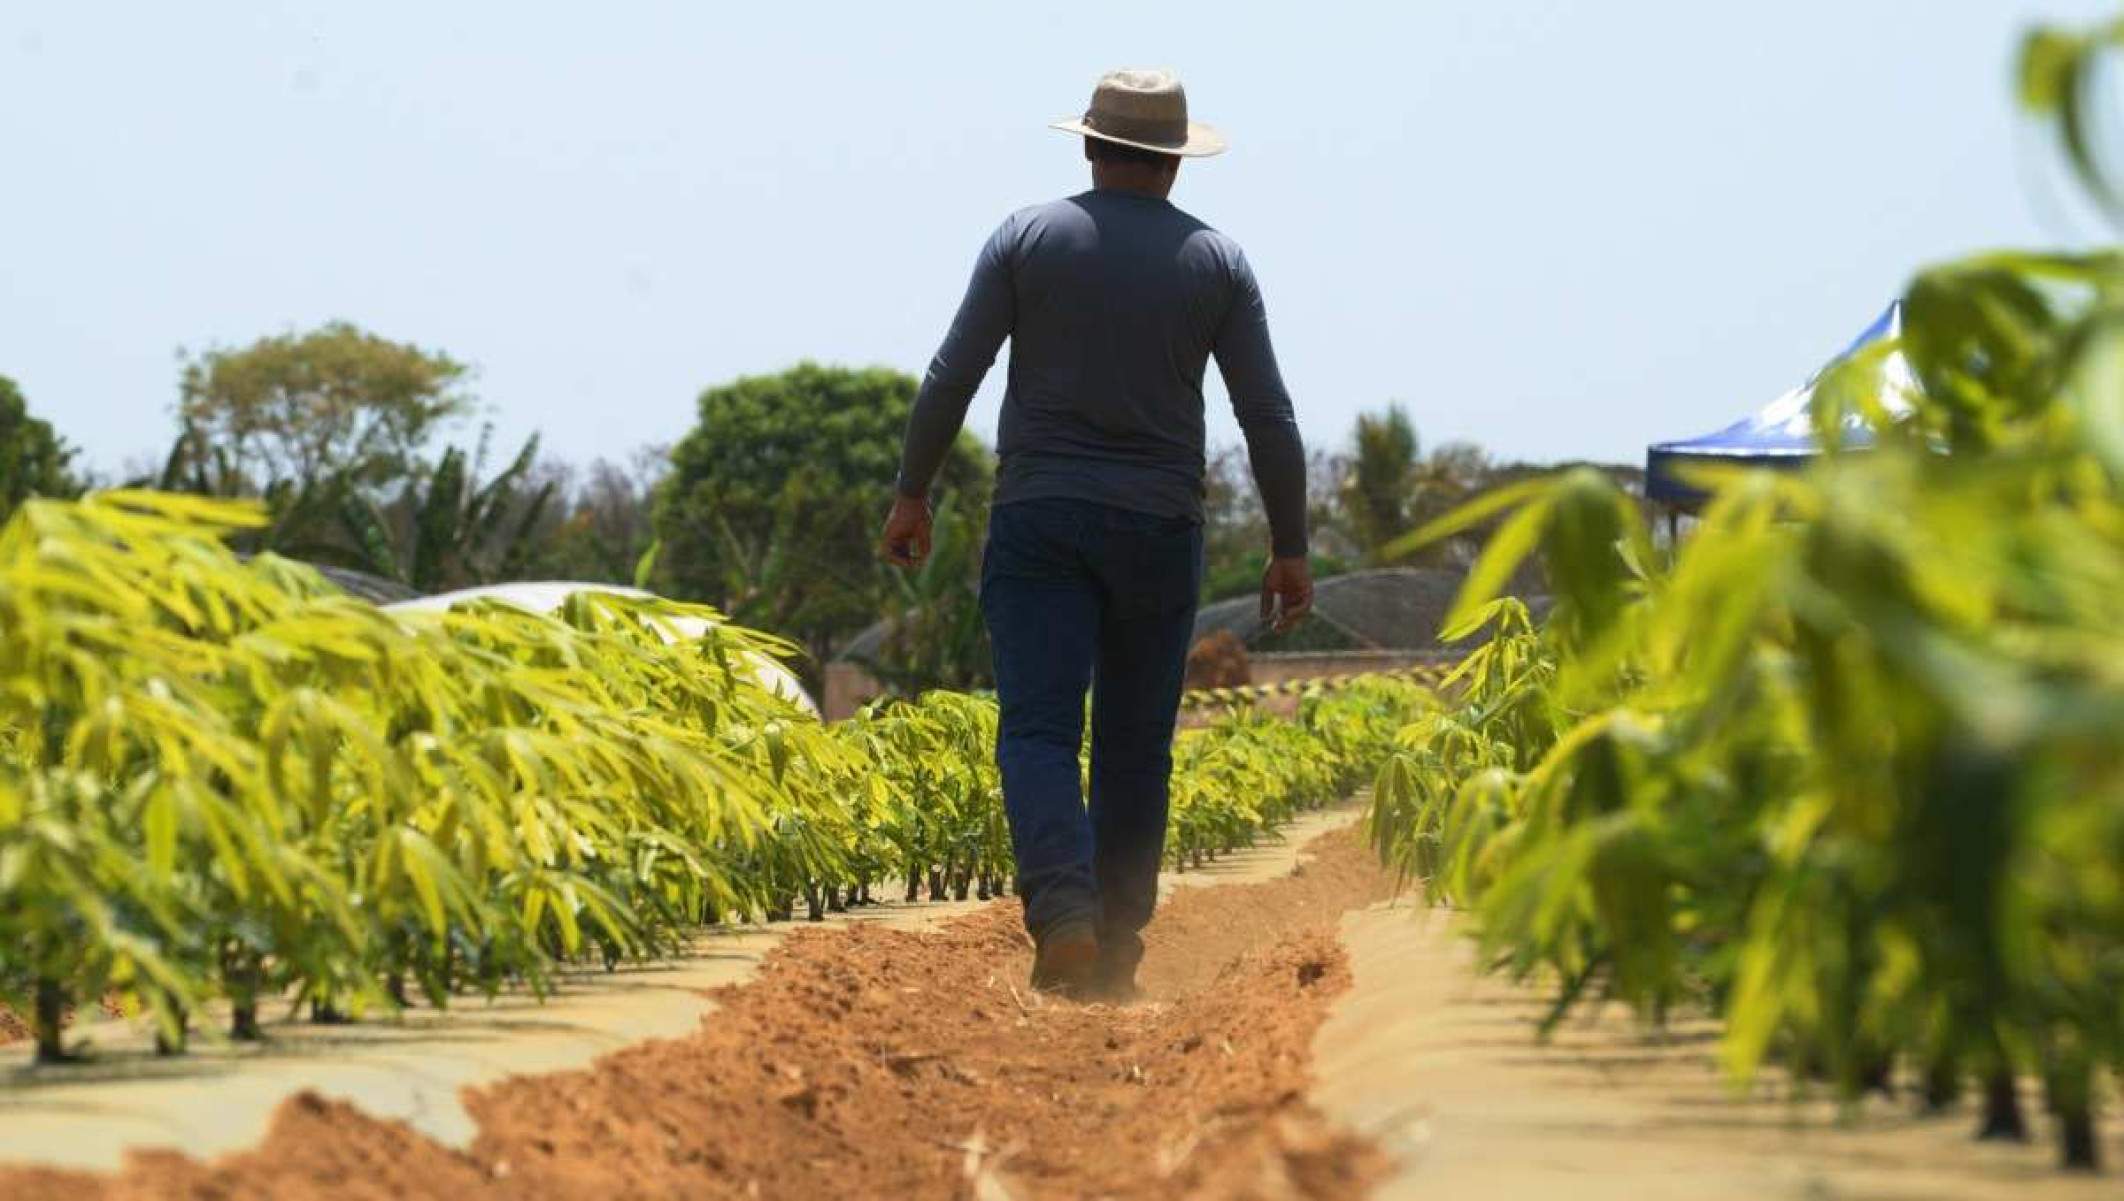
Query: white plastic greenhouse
[[544, 596]]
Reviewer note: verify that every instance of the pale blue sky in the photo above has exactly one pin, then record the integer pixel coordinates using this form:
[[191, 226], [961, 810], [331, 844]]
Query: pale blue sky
[[1557, 228]]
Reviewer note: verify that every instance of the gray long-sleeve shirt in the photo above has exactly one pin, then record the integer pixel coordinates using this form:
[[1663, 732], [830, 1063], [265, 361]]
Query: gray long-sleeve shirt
[[1113, 301]]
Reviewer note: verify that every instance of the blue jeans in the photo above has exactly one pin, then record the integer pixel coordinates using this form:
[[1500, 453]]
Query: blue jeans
[[1081, 595]]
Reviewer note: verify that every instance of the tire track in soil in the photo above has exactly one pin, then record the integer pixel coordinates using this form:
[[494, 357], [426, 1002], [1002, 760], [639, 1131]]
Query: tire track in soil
[[863, 1062]]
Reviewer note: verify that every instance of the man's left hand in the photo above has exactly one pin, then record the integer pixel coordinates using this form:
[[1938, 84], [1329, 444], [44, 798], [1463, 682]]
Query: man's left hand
[[1286, 592], [907, 531]]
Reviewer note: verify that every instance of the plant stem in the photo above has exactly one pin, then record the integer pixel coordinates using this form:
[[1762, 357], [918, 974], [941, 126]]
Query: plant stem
[[2002, 1108], [167, 1043], [50, 1020], [2070, 1091], [1943, 1084], [239, 975]]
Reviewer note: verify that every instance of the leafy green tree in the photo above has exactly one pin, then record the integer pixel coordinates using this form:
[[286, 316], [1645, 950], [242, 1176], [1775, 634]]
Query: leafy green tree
[[302, 516], [301, 407], [33, 459], [1388, 486], [441, 529], [787, 474], [1379, 493], [448, 530]]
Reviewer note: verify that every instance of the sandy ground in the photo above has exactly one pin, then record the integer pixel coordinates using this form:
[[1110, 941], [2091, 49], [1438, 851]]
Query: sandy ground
[[1441, 1066], [864, 1061]]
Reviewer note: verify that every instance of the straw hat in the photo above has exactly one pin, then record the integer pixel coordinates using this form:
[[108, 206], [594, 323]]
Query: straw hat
[[1146, 109]]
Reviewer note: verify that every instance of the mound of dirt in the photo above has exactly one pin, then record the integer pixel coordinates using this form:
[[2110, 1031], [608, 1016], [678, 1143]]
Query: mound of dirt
[[1218, 660], [868, 1062]]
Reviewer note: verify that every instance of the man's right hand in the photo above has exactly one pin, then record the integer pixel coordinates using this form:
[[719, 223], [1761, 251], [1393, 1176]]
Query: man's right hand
[[1286, 592], [907, 531]]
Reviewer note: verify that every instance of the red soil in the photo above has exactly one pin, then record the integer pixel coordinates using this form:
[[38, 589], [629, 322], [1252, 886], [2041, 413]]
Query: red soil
[[864, 1063]]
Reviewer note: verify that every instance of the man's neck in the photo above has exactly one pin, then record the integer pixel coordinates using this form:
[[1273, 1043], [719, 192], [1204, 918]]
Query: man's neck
[[1153, 186], [1127, 190]]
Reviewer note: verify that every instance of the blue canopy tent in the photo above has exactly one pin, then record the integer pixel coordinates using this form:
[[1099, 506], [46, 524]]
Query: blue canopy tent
[[1781, 434]]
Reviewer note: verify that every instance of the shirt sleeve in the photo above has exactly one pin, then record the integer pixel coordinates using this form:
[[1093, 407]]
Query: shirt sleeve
[[977, 332], [1263, 407]]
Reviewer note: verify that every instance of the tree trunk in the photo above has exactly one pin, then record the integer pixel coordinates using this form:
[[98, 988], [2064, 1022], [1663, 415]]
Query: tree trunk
[[814, 907]]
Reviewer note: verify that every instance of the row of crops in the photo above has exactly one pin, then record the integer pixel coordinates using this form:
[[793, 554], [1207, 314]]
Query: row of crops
[[224, 781], [1846, 767]]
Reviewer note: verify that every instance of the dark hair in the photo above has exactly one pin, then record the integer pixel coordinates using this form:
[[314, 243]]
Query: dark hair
[[1099, 150]]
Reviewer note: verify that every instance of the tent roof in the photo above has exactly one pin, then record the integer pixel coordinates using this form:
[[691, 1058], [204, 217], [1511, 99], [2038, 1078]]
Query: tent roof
[[1781, 433]]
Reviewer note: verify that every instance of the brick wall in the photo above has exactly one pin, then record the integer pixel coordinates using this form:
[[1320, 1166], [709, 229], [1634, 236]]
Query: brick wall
[[1319, 665], [847, 687]]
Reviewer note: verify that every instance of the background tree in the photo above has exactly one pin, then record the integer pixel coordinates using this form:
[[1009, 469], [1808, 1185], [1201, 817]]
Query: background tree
[[336, 400], [1387, 487], [448, 530], [789, 474], [33, 459], [1235, 534], [1379, 491], [434, 527], [302, 514], [600, 526], [936, 638]]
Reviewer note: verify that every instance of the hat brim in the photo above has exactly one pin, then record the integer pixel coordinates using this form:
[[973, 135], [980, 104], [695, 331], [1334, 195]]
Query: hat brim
[[1202, 140]]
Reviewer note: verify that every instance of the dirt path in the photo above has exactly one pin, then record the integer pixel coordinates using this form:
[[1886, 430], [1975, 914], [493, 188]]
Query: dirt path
[[868, 1062]]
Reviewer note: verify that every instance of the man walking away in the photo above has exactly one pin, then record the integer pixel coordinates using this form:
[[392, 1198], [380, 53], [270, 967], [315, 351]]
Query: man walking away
[[1113, 300]]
